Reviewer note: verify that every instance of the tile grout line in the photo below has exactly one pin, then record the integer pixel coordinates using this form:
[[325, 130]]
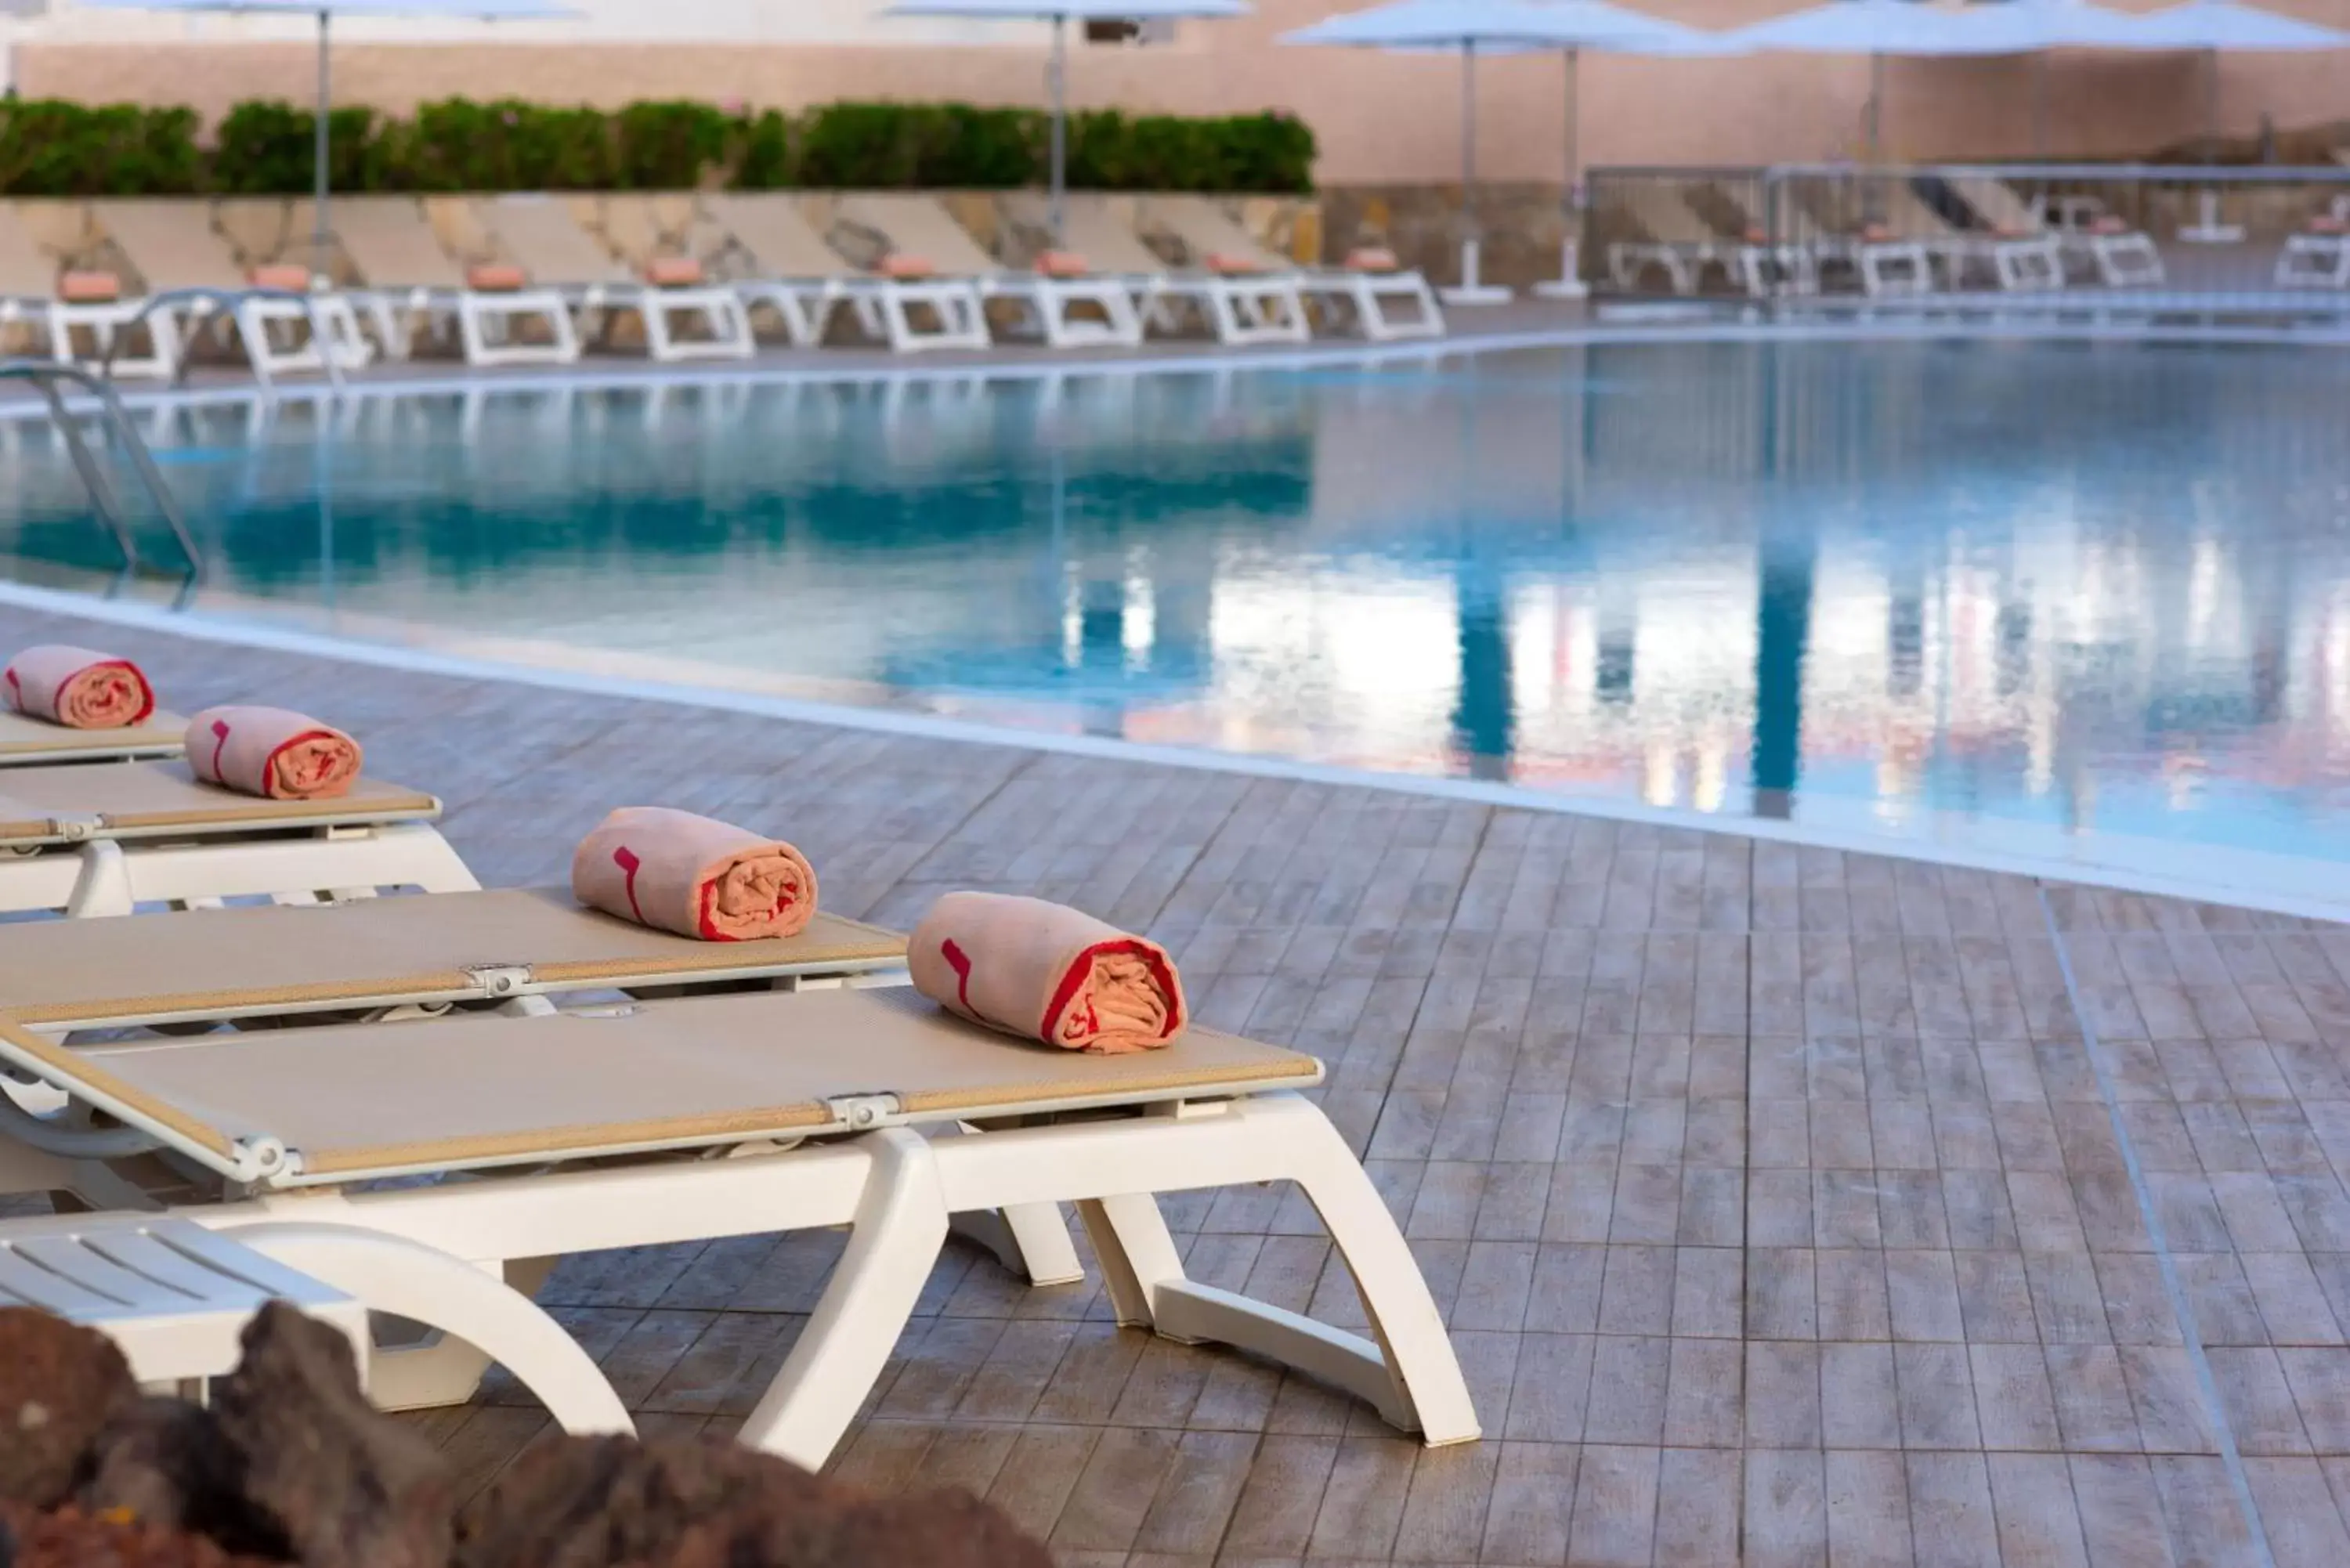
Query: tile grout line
[[2207, 1386]]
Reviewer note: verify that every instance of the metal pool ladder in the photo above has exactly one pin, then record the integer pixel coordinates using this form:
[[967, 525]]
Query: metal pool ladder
[[49, 376]]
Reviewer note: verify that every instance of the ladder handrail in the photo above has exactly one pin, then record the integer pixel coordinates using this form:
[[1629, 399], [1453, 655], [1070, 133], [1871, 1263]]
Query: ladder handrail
[[204, 300], [44, 375]]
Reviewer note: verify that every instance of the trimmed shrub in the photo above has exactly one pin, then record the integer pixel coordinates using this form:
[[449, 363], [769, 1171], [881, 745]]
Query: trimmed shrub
[[57, 149]]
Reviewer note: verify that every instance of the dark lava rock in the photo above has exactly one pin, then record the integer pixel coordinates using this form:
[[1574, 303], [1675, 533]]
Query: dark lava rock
[[347, 1486], [167, 1463], [60, 1385], [72, 1539]]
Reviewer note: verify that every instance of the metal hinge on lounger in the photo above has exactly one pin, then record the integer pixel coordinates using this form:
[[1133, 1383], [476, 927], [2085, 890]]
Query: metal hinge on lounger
[[862, 1111], [78, 826], [501, 978]]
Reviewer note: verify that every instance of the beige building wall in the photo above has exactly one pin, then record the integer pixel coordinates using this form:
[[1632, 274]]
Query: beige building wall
[[1380, 118]]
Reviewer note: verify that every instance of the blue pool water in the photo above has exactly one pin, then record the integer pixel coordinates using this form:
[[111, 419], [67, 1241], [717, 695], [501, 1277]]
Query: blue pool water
[[2086, 600]]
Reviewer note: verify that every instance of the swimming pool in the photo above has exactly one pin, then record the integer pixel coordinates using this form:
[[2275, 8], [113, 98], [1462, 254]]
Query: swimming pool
[[2089, 602]]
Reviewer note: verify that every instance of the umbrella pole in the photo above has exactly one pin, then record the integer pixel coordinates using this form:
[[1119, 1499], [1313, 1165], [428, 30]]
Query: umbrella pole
[[1569, 282], [320, 228], [1875, 104], [1057, 86], [1470, 237]]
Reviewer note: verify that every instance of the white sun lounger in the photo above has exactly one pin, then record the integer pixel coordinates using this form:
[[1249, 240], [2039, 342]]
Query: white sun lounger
[[1049, 308], [28, 284], [1237, 310], [777, 259], [412, 282], [100, 841], [2311, 259], [1367, 301], [539, 233], [26, 741], [171, 244], [2127, 259], [816, 1096]]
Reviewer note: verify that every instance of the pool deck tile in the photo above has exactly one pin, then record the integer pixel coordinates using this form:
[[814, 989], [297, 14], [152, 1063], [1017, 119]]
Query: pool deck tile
[[1774, 1195]]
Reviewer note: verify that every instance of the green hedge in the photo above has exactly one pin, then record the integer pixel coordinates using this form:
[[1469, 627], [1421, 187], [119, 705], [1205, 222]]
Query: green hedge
[[50, 147]]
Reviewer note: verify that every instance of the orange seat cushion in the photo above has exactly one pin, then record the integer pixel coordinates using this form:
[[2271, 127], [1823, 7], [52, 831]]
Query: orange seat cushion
[[1876, 233], [1062, 264], [907, 267], [1219, 262], [495, 278], [673, 272], [2329, 225], [280, 275], [2107, 225], [90, 288], [1372, 258]]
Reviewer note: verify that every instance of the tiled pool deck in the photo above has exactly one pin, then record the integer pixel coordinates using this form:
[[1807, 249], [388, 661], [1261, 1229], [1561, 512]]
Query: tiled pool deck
[[1782, 1200]]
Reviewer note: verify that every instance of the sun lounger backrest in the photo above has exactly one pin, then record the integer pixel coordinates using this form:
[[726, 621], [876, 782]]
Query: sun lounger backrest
[[390, 242], [171, 244], [1204, 230], [1092, 231], [1996, 203], [771, 231], [918, 226], [1668, 218], [635, 226], [1908, 214], [541, 235], [26, 271]]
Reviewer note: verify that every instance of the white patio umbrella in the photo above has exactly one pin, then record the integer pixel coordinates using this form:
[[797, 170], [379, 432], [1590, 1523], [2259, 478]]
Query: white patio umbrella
[[1879, 29], [1061, 13], [326, 11], [1475, 27]]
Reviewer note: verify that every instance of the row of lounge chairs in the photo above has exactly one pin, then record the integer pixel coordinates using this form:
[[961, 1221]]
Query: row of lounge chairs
[[1975, 232], [560, 1081], [535, 279]]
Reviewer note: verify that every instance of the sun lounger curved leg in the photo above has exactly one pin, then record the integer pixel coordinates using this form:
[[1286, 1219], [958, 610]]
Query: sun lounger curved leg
[[436, 1370], [901, 1222], [412, 1281], [1408, 1370]]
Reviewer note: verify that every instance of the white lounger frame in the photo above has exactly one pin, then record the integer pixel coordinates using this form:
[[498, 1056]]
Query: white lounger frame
[[103, 320], [113, 877], [2313, 261], [887, 309], [895, 1188], [1241, 310], [1367, 301], [484, 321], [720, 309], [1048, 308]]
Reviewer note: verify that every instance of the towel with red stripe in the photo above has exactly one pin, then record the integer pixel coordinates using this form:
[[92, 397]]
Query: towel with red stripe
[[79, 688], [1045, 971], [699, 878], [275, 753]]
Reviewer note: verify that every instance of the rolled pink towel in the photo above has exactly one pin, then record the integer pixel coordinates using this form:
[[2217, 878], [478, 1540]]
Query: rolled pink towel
[[79, 688], [272, 752], [1046, 971], [694, 876]]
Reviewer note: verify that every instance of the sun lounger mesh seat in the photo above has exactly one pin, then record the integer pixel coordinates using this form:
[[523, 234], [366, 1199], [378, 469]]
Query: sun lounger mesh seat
[[540, 234], [452, 947], [101, 840], [1053, 309], [411, 281], [1209, 237], [26, 741], [774, 257], [1236, 310]]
